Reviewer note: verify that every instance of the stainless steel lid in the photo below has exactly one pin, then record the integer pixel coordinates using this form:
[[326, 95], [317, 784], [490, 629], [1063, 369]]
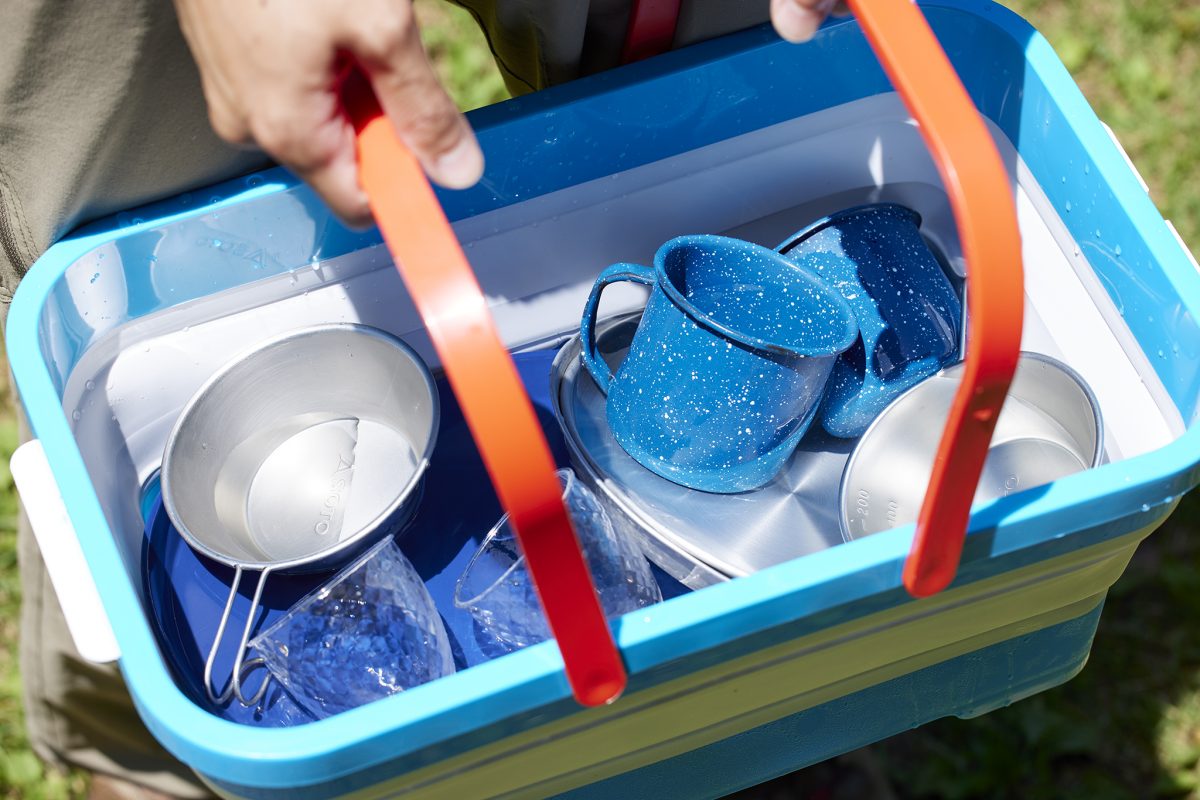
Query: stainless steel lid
[[734, 534]]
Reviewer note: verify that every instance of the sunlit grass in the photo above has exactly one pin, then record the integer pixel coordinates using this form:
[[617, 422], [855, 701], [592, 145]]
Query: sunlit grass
[[1129, 725]]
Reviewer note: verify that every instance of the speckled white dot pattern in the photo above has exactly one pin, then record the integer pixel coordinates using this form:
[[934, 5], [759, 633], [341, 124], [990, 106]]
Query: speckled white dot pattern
[[907, 311], [718, 389]]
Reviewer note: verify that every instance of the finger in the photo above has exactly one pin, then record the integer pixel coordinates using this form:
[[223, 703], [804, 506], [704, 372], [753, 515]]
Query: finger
[[308, 134], [798, 20], [229, 125], [336, 181], [424, 116]]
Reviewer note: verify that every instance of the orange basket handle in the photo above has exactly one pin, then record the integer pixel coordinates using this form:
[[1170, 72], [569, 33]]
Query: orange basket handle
[[502, 421], [986, 214], [494, 403]]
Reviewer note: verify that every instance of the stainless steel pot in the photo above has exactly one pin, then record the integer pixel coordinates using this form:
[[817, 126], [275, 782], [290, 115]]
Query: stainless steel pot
[[1050, 427], [297, 455]]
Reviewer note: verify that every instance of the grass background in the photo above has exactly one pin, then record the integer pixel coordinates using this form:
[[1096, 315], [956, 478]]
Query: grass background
[[1129, 725]]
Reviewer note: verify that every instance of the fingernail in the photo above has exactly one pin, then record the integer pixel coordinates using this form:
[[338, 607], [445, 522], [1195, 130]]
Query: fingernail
[[796, 23], [462, 167]]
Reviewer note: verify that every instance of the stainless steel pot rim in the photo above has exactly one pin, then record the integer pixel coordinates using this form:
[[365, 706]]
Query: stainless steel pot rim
[[338, 547], [1025, 355]]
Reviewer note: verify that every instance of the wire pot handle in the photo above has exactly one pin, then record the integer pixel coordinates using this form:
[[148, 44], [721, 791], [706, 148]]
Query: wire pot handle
[[240, 666]]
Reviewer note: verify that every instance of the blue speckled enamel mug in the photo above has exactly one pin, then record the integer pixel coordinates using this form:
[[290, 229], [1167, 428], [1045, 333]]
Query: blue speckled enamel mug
[[907, 311], [729, 362]]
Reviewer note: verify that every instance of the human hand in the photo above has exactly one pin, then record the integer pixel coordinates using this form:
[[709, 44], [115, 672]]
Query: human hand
[[798, 20], [272, 74]]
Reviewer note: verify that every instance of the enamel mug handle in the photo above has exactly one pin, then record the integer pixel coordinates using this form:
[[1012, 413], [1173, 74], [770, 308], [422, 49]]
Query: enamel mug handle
[[56, 538], [587, 328]]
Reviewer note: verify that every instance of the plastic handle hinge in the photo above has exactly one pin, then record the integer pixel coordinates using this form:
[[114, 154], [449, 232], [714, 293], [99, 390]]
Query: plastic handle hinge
[[65, 563]]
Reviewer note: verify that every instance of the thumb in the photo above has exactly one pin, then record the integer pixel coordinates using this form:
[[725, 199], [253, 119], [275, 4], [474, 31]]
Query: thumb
[[798, 20], [424, 116]]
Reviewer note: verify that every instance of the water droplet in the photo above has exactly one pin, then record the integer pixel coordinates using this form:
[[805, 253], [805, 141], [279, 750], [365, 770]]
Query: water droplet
[[1145, 506], [89, 385], [1087, 169], [1068, 206], [1117, 250], [75, 415], [95, 277]]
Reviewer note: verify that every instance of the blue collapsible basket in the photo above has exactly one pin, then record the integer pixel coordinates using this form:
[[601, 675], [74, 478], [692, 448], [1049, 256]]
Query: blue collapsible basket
[[118, 324]]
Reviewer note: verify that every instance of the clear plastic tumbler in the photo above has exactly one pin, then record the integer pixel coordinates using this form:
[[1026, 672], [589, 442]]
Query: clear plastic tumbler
[[496, 587]]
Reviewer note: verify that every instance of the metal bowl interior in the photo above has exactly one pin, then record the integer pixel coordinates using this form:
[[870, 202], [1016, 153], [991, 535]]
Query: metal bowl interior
[[296, 452], [1050, 427]]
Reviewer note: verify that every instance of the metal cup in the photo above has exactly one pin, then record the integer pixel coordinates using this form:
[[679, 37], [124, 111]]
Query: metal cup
[[298, 455], [1050, 427], [729, 362], [907, 312]]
